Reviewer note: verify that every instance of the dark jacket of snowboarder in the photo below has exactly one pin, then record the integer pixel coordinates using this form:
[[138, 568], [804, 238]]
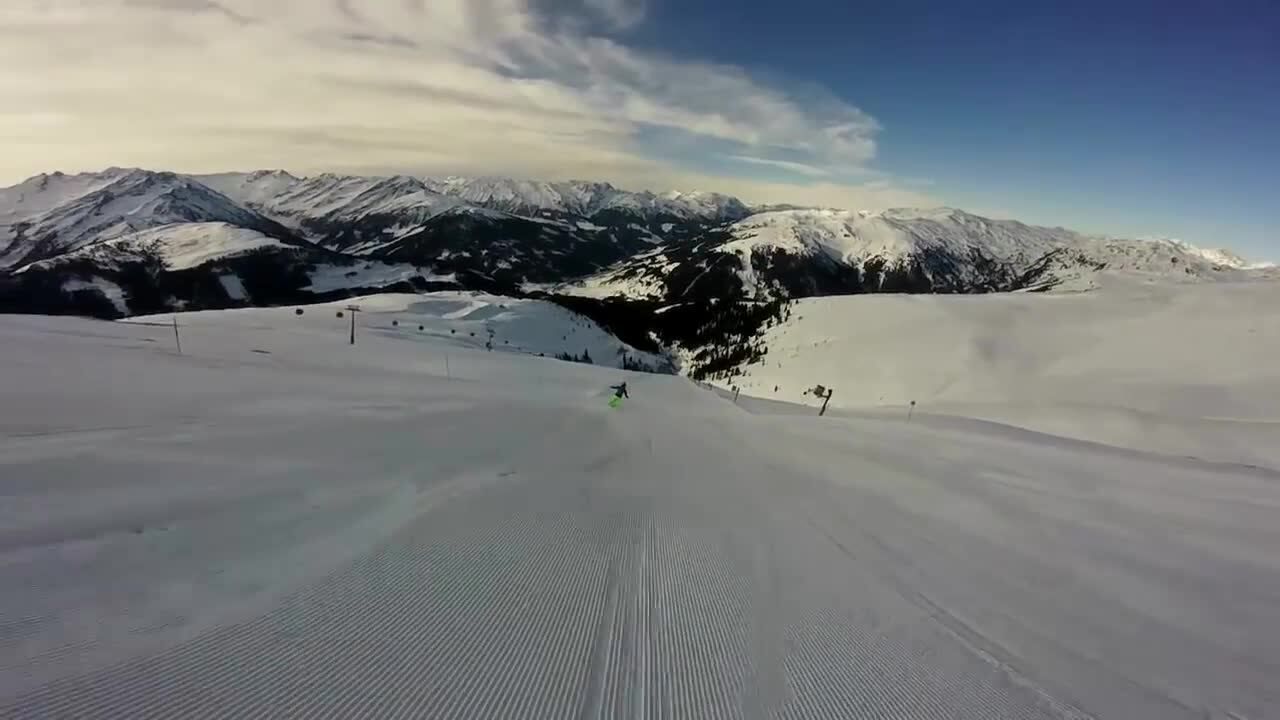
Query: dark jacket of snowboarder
[[620, 390]]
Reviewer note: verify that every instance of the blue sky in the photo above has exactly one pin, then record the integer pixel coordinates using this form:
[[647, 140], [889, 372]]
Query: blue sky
[[1128, 118], [1123, 117]]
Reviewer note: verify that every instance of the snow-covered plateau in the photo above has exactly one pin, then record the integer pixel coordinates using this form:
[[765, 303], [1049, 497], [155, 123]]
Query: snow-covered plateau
[[1176, 369], [275, 522]]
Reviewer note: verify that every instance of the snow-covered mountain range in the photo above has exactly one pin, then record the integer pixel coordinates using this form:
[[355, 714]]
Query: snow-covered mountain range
[[808, 252], [414, 219], [518, 231], [50, 215], [589, 199], [129, 241]]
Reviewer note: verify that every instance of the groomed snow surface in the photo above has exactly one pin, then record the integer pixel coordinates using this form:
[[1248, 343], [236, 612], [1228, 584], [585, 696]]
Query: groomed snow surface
[[1180, 370], [278, 524]]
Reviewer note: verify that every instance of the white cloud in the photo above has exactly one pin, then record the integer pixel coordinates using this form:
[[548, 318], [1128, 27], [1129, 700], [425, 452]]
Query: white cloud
[[789, 166], [427, 86], [619, 13], [876, 195]]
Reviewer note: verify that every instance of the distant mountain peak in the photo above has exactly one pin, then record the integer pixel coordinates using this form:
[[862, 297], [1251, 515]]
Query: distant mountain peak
[[260, 174], [64, 213], [799, 252]]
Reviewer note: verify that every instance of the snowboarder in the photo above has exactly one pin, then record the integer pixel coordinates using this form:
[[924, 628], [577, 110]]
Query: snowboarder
[[620, 391]]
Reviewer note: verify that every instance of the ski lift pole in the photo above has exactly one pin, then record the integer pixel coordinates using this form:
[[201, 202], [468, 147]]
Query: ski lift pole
[[826, 399], [353, 309]]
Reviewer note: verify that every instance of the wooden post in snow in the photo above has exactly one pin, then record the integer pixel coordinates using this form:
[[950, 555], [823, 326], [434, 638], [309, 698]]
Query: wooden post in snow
[[177, 339]]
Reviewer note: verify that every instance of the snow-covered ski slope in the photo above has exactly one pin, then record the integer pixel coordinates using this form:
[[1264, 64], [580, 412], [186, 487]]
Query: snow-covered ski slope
[[277, 524], [406, 331], [1176, 369]]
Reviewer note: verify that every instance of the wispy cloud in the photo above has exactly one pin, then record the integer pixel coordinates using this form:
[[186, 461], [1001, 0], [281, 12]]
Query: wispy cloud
[[515, 87], [619, 13], [789, 166]]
